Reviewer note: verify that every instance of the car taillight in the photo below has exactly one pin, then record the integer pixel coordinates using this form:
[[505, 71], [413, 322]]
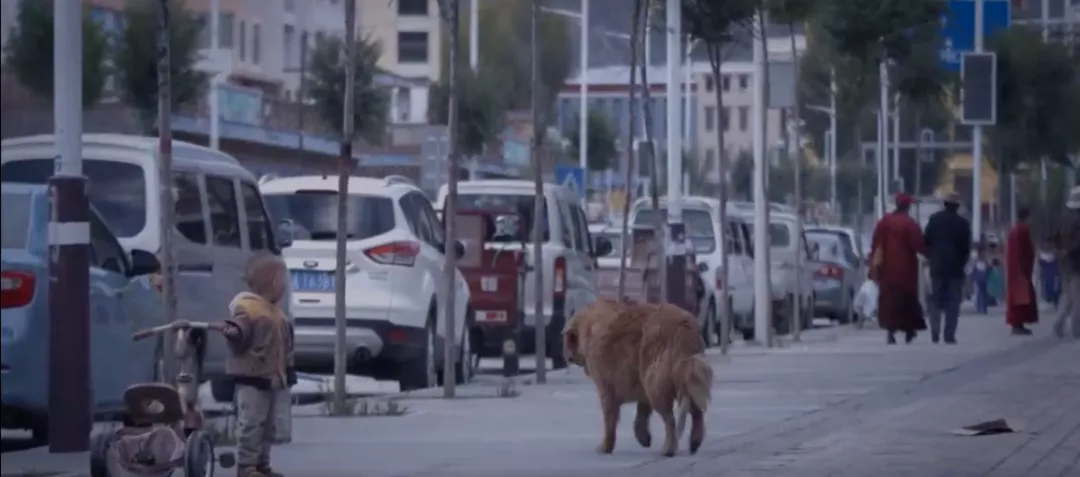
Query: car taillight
[[18, 289], [830, 271], [559, 287], [394, 253]]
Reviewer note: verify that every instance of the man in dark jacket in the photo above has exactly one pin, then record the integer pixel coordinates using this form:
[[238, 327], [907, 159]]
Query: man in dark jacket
[[948, 248], [1067, 241]]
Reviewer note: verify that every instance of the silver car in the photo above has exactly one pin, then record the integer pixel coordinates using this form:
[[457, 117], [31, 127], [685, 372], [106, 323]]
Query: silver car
[[841, 271]]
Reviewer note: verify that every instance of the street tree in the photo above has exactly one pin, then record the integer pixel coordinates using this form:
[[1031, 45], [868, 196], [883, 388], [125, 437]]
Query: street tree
[[29, 52], [631, 166], [480, 112], [1038, 111], [505, 52], [600, 149], [715, 23], [326, 86], [135, 59]]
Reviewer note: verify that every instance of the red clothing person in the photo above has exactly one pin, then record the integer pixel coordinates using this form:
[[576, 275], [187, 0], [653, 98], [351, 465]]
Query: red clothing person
[[895, 250], [1021, 307]]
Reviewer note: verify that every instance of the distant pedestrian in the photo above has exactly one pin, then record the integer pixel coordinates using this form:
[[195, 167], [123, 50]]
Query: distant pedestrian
[[895, 248], [260, 363], [1067, 243], [1049, 275], [980, 280], [1022, 307], [948, 248]]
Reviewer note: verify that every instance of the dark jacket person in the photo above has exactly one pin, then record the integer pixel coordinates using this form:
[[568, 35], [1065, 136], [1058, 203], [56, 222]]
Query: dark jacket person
[[948, 248]]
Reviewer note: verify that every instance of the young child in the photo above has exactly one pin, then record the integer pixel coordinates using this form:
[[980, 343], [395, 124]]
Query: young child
[[260, 363], [995, 282], [980, 274]]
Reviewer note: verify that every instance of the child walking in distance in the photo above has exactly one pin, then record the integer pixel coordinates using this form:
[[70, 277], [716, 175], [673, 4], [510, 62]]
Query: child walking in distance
[[260, 363]]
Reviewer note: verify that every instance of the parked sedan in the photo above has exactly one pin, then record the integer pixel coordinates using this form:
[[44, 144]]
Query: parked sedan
[[122, 299], [840, 273]]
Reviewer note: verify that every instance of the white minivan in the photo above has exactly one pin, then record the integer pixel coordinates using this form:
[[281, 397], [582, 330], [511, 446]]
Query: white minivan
[[219, 215], [569, 268]]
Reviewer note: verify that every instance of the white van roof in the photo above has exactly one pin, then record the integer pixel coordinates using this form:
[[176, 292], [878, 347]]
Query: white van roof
[[330, 183], [182, 151], [504, 186]]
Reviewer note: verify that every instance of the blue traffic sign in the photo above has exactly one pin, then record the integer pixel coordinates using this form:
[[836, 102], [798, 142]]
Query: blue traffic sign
[[959, 27], [572, 177]]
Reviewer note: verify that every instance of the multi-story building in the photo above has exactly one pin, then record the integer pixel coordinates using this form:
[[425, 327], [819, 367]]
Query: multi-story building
[[411, 35], [1063, 19]]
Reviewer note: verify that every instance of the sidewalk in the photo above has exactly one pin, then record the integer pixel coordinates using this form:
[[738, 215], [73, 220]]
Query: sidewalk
[[838, 404]]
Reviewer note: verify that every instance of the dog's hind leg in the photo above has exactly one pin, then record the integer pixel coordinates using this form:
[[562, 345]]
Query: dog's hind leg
[[667, 414], [641, 424], [697, 428], [610, 407]]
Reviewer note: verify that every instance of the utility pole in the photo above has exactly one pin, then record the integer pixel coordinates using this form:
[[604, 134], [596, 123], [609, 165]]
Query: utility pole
[[977, 143], [833, 92], [450, 210], [883, 138], [762, 293], [676, 238], [215, 41], [344, 169], [302, 94], [540, 323], [70, 416], [1043, 199], [165, 190], [583, 92]]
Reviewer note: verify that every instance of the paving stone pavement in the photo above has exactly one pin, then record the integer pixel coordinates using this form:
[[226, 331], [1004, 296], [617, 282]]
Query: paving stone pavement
[[839, 404]]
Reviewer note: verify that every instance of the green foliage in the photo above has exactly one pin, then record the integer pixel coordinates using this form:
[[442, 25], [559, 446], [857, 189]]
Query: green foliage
[[136, 58], [790, 12], [871, 30], [480, 116], [919, 76], [29, 52], [505, 53], [326, 86], [1038, 111], [715, 22], [600, 150]]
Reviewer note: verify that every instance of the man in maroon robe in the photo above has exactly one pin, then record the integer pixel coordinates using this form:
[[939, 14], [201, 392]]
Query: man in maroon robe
[[1021, 307], [895, 249]]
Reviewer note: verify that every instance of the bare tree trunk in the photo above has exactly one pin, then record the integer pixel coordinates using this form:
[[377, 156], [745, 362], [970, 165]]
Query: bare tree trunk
[[628, 185], [538, 205], [450, 210], [797, 313], [918, 151], [654, 170], [715, 52], [344, 170]]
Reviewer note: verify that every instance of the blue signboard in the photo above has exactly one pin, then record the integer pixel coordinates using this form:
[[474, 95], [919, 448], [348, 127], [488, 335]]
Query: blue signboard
[[572, 177], [959, 27]]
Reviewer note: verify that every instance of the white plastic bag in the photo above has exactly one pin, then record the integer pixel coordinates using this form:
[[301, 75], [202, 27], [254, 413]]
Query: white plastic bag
[[866, 300]]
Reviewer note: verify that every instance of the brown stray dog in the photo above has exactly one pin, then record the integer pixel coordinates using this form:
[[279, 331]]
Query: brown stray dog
[[649, 354]]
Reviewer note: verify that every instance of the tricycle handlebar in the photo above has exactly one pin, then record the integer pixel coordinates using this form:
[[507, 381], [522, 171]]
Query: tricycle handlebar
[[176, 326]]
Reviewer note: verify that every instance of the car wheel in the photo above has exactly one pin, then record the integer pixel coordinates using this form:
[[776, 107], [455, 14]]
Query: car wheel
[[709, 329], [466, 365], [420, 372]]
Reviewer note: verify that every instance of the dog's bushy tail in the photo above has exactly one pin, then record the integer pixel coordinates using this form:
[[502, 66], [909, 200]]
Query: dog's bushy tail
[[693, 382]]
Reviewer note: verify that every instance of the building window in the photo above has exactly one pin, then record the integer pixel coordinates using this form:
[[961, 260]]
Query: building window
[[242, 40], [726, 83], [412, 47], [744, 82], [710, 118], [416, 8], [225, 30], [709, 83], [725, 118], [744, 118], [288, 41], [256, 42]]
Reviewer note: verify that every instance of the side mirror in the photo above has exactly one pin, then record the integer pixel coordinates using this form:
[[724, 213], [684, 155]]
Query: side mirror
[[143, 263], [702, 267], [602, 246], [284, 233]]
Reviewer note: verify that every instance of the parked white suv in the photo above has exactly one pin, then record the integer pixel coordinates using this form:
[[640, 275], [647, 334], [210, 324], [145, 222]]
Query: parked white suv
[[569, 268], [394, 290]]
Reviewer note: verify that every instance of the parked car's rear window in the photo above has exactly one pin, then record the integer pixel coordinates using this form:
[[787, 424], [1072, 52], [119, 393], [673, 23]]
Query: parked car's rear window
[[833, 246], [699, 226], [521, 204], [15, 227], [116, 189], [313, 214], [779, 235]]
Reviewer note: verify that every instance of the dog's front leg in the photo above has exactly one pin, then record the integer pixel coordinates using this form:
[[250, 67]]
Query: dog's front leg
[[610, 407], [641, 424]]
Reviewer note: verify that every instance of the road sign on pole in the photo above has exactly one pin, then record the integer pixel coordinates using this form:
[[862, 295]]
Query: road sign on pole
[[958, 27], [572, 177]]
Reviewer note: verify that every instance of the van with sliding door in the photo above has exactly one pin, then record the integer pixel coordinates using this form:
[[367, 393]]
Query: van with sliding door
[[219, 217]]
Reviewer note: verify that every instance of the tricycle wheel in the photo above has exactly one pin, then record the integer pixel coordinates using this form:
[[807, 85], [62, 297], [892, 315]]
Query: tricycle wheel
[[199, 458], [99, 454]]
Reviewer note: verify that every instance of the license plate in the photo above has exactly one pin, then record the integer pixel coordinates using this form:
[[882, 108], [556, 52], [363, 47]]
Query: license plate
[[489, 284], [305, 281], [491, 316]]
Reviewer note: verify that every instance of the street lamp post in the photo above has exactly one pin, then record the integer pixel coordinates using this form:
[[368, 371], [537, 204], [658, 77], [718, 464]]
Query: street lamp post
[[762, 292]]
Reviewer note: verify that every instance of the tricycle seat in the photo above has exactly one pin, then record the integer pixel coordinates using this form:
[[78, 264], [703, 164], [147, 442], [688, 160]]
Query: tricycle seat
[[153, 403]]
